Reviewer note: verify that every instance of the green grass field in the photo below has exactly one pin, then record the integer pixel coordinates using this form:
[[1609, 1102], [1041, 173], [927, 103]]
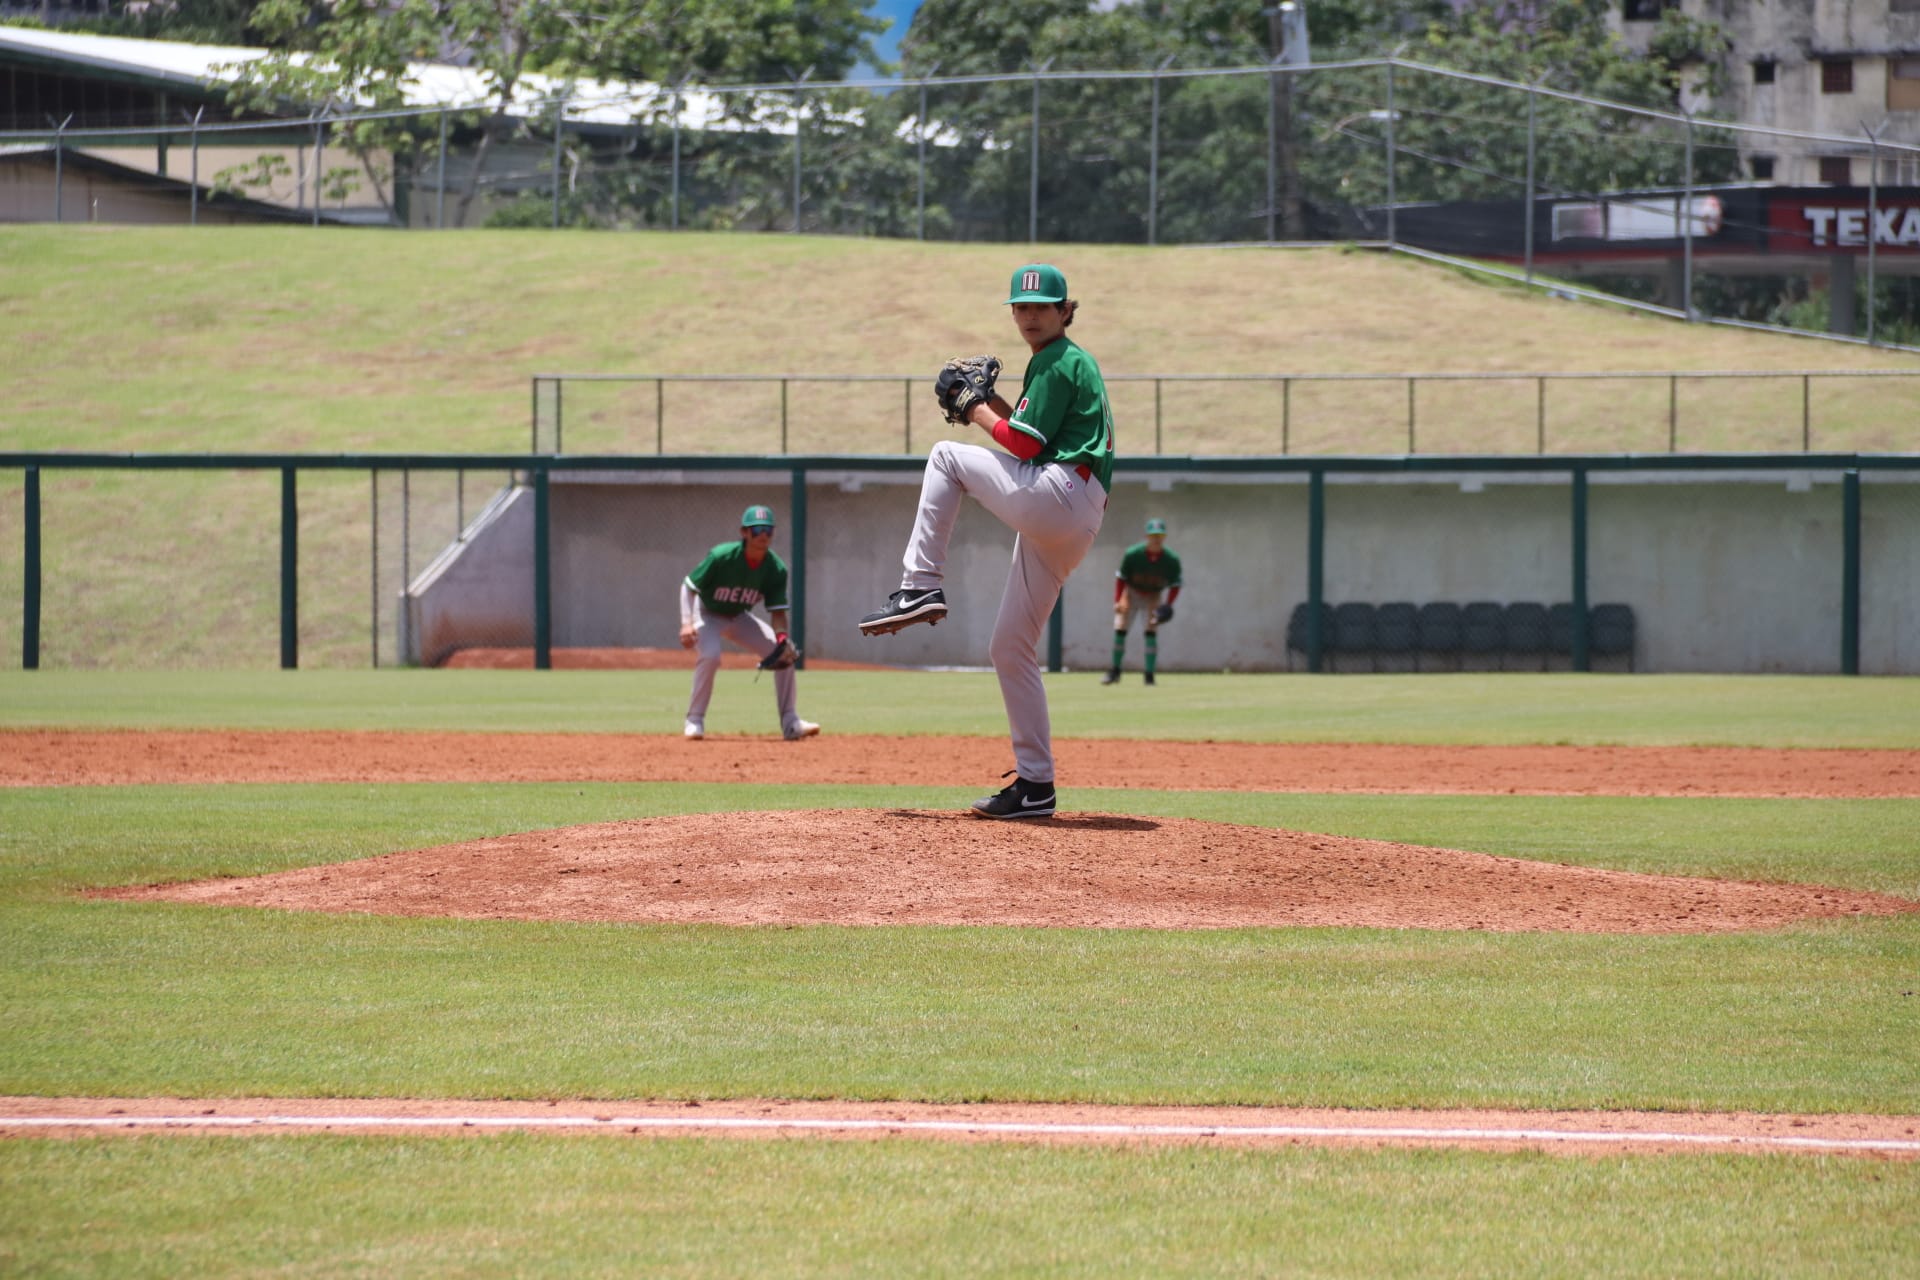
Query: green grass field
[[103, 997], [296, 340]]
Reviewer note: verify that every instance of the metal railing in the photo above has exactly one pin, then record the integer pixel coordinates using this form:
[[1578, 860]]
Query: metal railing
[[549, 397], [538, 471]]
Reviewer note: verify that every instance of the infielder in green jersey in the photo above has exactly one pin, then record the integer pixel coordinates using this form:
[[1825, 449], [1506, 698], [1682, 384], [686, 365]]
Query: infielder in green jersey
[[1049, 487], [1147, 571], [717, 600]]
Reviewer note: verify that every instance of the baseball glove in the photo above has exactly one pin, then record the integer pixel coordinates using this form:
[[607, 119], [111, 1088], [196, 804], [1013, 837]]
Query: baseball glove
[[1163, 614], [783, 656], [964, 383]]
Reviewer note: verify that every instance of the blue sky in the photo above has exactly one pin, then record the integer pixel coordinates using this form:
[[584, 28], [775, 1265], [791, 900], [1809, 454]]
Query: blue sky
[[901, 11]]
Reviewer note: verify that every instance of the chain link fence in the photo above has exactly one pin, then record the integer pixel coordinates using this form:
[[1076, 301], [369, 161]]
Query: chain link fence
[[1291, 414], [1685, 214]]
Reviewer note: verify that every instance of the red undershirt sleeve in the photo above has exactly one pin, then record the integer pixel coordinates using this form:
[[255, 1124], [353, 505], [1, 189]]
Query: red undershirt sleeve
[[1173, 593], [1018, 443], [1119, 588]]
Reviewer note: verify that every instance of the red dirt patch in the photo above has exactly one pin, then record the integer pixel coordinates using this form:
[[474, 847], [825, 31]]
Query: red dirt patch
[[872, 867], [624, 660], [43, 758], [1565, 1132]]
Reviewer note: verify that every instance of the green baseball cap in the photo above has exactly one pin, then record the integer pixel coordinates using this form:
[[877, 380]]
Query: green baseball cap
[[1037, 282], [756, 515], [1156, 525]]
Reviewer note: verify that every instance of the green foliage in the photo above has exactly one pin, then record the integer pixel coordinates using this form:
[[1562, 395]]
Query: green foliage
[[261, 172]]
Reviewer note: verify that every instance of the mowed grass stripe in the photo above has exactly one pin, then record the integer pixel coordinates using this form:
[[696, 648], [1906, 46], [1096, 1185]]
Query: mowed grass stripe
[[408, 1206], [1467, 708]]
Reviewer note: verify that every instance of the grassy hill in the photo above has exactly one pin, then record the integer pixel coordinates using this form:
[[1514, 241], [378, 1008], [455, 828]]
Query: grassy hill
[[316, 340], [295, 339]]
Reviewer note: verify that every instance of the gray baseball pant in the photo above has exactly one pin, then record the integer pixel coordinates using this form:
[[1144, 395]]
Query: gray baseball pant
[[751, 633], [1056, 516]]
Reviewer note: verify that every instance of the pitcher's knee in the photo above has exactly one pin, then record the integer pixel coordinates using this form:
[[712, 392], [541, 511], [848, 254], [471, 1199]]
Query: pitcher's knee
[[1011, 653]]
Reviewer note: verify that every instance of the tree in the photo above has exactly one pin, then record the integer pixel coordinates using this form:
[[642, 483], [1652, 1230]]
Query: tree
[[357, 53]]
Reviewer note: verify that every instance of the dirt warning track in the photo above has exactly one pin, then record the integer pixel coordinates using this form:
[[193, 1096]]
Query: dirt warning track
[[62, 757]]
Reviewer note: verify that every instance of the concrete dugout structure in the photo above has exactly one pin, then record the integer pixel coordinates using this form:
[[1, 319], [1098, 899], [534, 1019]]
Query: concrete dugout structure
[[1764, 563]]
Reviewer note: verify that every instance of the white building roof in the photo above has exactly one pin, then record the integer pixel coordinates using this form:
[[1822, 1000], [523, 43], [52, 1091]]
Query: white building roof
[[428, 85]]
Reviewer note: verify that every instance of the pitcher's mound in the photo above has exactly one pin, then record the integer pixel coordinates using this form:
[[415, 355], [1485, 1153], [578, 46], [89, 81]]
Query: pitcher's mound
[[867, 867]]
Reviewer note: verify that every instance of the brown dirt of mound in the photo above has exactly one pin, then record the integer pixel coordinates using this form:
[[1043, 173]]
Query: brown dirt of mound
[[1607, 1133], [39, 758], [623, 660], [873, 867]]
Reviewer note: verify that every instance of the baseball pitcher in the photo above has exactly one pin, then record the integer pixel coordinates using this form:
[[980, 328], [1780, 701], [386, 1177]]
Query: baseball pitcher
[[1049, 486], [1148, 570], [717, 600]]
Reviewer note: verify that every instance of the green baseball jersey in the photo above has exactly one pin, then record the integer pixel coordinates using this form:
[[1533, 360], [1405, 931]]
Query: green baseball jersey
[[1143, 572], [729, 586], [1063, 404]]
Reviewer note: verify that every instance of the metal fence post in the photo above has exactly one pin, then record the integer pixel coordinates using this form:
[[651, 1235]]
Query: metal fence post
[[797, 572], [1686, 226], [1673, 413], [1806, 413], [906, 415], [289, 571], [1532, 117], [406, 533], [559, 415], [1273, 147], [373, 559], [783, 415], [1316, 563], [659, 415], [796, 159], [674, 222], [1286, 415], [1850, 574], [559, 139], [440, 178], [1873, 211], [59, 171], [1410, 415], [1156, 416], [319, 165], [1392, 162], [920, 138], [1153, 162], [193, 199], [1033, 164], [542, 574], [1540, 416], [1579, 652], [30, 594]]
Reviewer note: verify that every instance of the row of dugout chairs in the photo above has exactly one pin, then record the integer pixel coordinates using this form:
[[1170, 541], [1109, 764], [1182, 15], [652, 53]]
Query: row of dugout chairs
[[1481, 635]]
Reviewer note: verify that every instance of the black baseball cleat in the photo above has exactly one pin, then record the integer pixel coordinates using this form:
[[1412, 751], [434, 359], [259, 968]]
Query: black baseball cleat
[[1023, 799], [1148, 678], [1112, 677], [904, 608]]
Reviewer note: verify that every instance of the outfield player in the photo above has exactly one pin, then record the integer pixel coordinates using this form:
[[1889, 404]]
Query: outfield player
[[1148, 570], [1049, 486], [717, 600]]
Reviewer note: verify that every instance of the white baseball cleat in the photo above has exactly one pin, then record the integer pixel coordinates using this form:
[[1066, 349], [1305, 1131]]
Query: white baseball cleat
[[694, 731], [800, 729]]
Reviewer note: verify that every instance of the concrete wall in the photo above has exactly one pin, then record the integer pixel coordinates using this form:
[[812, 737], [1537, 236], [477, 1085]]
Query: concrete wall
[[1729, 572]]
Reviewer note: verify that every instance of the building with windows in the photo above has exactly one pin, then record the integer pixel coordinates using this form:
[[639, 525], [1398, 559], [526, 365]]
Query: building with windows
[[1845, 67]]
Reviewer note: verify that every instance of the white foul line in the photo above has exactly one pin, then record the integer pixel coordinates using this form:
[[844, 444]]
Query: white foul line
[[1034, 1129]]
